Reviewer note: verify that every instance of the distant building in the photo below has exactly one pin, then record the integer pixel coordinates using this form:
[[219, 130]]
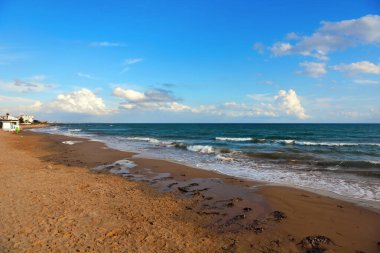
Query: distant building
[[26, 119], [9, 123]]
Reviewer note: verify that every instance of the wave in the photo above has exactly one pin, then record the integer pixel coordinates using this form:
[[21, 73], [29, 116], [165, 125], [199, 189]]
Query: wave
[[350, 164], [308, 143], [206, 149], [74, 130], [152, 140], [286, 142], [234, 139], [224, 158], [295, 142], [142, 139], [329, 144]]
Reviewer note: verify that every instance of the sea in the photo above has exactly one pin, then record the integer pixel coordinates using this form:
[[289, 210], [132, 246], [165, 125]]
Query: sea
[[343, 159]]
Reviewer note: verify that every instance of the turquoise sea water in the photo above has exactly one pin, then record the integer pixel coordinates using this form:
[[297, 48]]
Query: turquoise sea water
[[341, 158]]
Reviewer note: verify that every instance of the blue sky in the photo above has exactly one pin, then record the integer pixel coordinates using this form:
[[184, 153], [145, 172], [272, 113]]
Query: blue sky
[[191, 61]]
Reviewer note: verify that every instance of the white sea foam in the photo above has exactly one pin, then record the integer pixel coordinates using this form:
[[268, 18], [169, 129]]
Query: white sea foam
[[74, 130], [151, 140], [142, 139], [233, 138], [287, 142], [201, 149], [224, 158], [118, 167], [71, 142], [330, 144]]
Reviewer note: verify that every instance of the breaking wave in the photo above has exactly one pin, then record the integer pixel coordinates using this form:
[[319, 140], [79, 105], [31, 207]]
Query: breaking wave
[[330, 144], [234, 139], [206, 149]]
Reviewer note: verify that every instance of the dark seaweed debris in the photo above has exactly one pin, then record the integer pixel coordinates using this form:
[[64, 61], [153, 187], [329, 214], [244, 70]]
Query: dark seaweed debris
[[313, 244], [255, 227], [170, 185], [278, 215]]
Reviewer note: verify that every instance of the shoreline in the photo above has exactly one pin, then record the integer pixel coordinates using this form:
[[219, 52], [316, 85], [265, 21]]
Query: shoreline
[[369, 204], [220, 202]]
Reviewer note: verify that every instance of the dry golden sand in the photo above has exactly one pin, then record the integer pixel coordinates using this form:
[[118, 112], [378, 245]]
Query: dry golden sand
[[51, 202], [54, 208]]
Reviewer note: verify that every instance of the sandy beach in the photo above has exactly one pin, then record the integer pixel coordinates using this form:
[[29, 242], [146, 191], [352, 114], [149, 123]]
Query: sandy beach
[[52, 200]]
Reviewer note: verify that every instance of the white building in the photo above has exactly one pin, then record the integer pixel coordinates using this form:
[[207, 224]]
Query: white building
[[9, 123], [26, 119]]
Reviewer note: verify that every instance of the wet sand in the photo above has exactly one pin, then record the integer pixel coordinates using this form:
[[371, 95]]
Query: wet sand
[[53, 201]]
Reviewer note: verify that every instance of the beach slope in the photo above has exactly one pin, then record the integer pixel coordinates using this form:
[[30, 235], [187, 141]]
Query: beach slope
[[51, 202]]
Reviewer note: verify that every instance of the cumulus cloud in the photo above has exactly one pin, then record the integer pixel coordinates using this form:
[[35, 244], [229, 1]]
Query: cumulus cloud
[[292, 36], [82, 101], [362, 67], [281, 48], [332, 36], [285, 103], [19, 105], [289, 103], [33, 84], [235, 109], [313, 69], [106, 44], [130, 95], [153, 99]]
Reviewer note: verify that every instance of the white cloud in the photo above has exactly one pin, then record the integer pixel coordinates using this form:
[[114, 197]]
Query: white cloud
[[261, 97], [174, 107], [281, 48], [249, 110], [231, 104], [208, 109], [81, 101], [313, 69], [130, 61], [32, 84], [366, 81], [19, 105], [289, 103], [156, 106], [84, 75], [154, 99], [268, 82], [106, 44], [130, 95], [285, 103], [362, 67], [292, 36], [332, 36]]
